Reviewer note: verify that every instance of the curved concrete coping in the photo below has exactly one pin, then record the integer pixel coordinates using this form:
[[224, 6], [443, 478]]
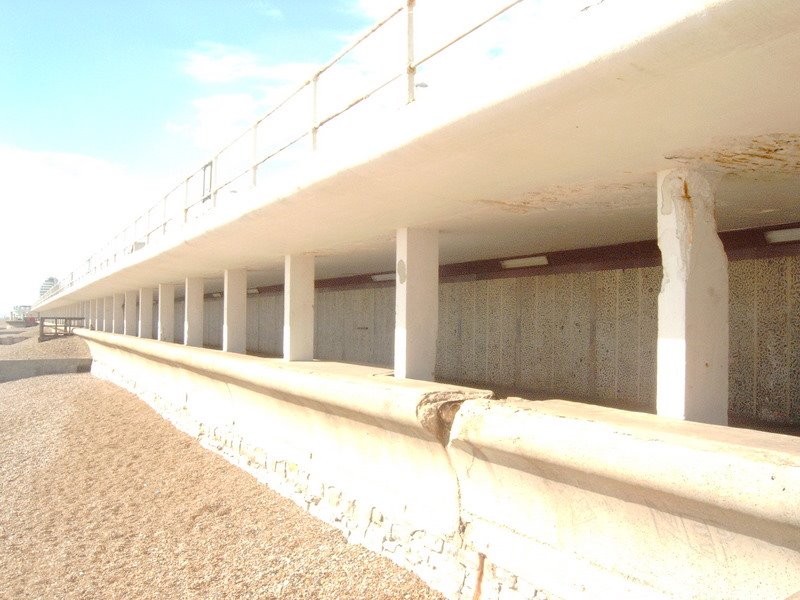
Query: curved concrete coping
[[360, 390], [591, 494], [379, 440], [713, 468]]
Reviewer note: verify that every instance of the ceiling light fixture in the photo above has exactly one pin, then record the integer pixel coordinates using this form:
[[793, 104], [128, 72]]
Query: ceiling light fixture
[[780, 236], [530, 261]]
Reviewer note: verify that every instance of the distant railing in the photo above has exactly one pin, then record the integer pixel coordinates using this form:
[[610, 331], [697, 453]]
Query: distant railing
[[239, 162]]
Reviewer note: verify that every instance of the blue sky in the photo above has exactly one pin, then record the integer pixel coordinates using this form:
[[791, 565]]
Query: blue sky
[[105, 104], [105, 79]]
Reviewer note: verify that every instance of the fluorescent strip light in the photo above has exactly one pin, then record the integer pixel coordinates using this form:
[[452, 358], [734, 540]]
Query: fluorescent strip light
[[383, 277], [778, 236], [530, 261]]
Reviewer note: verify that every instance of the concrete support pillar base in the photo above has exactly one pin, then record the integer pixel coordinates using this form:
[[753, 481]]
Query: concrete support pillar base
[[166, 312], [146, 313], [234, 311], [131, 326], [193, 319], [118, 318], [692, 372], [298, 308], [416, 304]]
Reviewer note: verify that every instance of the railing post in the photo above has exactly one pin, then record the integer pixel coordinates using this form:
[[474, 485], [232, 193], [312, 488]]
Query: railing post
[[411, 69], [185, 199], [254, 167], [314, 124]]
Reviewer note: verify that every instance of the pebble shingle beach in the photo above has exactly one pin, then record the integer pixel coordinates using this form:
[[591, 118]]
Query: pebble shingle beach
[[102, 498]]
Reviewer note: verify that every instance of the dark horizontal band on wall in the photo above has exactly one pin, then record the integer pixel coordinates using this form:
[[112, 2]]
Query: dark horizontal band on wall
[[739, 245]]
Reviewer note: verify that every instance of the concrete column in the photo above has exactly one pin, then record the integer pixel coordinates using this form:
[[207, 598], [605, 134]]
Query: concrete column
[[234, 311], [92, 323], [416, 304], [193, 319], [131, 313], [98, 314], [108, 314], [146, 313], [298, 308], [692, 371], [117, 316], [166, 312]]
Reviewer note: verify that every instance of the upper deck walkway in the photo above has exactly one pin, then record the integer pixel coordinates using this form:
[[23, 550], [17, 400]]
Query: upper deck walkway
[[528, 127]]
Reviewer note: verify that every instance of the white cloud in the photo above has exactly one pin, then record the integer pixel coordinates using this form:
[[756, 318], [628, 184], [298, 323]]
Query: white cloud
[[218, 63], [60, 208]]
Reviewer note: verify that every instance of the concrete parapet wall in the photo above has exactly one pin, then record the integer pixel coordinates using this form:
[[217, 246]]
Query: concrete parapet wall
[[13, 369], [626, 504], [513, 499]]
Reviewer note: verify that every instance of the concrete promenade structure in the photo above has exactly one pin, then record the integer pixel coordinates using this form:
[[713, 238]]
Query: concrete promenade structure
[[593, 202]]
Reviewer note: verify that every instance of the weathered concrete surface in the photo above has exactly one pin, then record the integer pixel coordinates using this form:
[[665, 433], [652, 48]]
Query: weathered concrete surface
[[692, 380], [373, 437], [597, 502], [13, 369], [563, 500]]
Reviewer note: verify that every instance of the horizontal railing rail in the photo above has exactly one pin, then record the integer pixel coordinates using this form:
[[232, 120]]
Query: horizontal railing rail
[[198, 193]]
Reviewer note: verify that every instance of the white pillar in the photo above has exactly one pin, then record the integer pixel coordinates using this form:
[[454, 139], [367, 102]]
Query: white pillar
[[119, 300], [193, 318], [92, 324], [108, 314], [166, 312], [146, 313], [98, 314], [234, 311], [131, 312], [692, 370], [298, 308], [416, 304], [86, 313]]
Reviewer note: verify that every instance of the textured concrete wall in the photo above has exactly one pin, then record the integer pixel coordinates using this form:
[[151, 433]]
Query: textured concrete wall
[[580, 335], [765, 339], [355, 325], [265, 324]]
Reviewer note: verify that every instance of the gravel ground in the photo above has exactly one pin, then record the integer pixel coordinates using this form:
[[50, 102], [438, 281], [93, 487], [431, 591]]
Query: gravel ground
[[64, 347], [102, 498]]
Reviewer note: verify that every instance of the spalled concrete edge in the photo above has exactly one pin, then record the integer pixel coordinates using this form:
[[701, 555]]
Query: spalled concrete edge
[[13, 369]]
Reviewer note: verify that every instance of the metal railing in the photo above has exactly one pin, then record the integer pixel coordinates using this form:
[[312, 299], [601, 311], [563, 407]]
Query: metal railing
[[239, 162]]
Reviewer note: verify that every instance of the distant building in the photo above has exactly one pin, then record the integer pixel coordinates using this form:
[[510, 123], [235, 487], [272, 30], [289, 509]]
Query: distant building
[[48, 283]]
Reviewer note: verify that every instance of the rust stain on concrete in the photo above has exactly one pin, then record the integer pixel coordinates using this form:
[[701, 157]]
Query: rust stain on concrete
[[768, 153], [589, 196]]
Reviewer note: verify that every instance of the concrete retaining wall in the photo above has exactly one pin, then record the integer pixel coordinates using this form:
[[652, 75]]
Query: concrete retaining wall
[[13, 369], [520, 499]]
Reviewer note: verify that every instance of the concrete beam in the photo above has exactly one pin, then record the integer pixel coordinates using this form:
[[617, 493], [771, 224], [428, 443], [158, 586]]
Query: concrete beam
[[416, 303], [131, 326], [193, 317], [234, 311], [146, 313], [117, 316], [692, 370], [298, 308], [166, 312]]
